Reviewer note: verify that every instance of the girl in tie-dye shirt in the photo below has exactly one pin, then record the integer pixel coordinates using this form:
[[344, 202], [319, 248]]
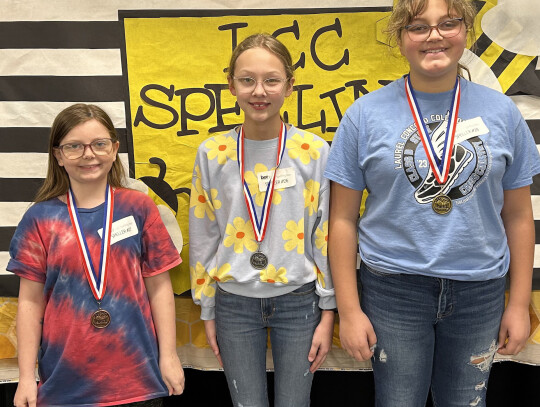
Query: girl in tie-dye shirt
[[128, 354]]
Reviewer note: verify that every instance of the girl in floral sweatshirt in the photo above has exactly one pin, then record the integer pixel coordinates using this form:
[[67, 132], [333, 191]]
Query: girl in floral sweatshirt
[[258, 227]]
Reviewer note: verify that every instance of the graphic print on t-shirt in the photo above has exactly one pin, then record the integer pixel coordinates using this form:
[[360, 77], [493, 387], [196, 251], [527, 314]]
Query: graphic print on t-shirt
[[470, 163]]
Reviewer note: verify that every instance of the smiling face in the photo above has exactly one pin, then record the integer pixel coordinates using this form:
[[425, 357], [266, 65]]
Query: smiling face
[[90, 169], [433, 62], [259, 106]]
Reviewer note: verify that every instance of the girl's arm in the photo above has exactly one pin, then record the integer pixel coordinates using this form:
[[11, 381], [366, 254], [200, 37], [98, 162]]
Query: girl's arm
[[355, 330], [211, 338], [322, 340], [161, 298], [30, 313], [518, 221]]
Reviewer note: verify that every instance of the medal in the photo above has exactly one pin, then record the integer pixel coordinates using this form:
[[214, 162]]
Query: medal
[[97, 281], [101, 319], [441, 204], [259, 260]]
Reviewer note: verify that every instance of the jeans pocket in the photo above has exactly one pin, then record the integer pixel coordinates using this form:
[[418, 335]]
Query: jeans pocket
[[375, 272], [306, 289], [221, 291]]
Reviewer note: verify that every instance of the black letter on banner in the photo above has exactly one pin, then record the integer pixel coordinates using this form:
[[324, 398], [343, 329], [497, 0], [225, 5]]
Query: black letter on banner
[[234, 31], [344, 60], [332, 95], [140, 117], [217, 88], [184, 115], [296, 31], [384, 82], [358, 87], [322, 122]]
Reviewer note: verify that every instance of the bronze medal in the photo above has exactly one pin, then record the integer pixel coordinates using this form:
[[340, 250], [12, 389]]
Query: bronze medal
[[442, 204], [258, 260], [101, 319]]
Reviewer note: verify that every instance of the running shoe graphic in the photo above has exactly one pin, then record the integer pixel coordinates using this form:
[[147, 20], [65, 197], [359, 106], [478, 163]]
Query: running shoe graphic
[[461, 156]]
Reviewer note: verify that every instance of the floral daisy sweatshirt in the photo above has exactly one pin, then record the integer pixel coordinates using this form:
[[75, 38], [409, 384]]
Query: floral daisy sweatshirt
[[222, 239]]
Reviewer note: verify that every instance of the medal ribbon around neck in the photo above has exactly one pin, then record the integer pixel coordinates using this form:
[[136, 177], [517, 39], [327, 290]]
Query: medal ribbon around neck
[[439, 166], [97, 281], [259, 225]]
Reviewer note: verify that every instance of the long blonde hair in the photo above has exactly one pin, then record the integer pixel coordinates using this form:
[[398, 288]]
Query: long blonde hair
[[57, 181]]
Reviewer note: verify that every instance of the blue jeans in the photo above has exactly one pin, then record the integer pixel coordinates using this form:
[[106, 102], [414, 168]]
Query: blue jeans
[[431, 332], [241, 326]]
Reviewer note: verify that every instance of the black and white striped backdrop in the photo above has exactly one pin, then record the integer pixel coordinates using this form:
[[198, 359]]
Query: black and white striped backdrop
[[59, 52]]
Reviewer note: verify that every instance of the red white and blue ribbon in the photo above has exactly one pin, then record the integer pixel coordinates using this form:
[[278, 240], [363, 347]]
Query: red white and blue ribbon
[[439, 166], [259, 225], [97, 281]]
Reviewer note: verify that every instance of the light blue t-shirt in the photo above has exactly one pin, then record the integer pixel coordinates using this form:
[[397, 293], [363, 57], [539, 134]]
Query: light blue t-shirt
[[378, 148]]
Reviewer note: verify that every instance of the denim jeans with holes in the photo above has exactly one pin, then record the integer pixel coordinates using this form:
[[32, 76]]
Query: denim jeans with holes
[[241, 325], [431, 332]]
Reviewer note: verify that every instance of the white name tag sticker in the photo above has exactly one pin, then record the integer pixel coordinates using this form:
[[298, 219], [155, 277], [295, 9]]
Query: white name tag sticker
[[285, 178], [470, 128], [122, 229]]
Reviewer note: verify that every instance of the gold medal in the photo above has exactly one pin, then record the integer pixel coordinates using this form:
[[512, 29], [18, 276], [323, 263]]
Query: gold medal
[[442, 204], [101, 319]]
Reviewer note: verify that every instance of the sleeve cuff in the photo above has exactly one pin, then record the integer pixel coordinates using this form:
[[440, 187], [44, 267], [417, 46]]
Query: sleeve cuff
[[328, 302], [208, 313]]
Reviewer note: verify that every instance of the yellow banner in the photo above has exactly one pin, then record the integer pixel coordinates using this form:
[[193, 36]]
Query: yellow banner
[[178, 93]]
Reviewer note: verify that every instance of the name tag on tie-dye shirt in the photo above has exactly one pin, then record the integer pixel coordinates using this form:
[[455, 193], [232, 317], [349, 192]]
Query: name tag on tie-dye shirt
[[285, 178], [122, 229]]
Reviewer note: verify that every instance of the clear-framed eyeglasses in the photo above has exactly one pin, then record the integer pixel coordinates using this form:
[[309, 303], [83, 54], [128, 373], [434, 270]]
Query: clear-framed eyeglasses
[[247, 84], [72, 151], [446, 29]]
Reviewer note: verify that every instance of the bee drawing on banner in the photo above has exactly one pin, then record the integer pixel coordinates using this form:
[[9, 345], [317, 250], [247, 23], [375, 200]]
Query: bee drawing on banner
[[161, 188], [505, 55]]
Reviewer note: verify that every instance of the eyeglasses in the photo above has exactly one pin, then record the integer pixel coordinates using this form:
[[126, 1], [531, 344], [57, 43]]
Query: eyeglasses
[[446, 29], [72, 151], [246, 84]]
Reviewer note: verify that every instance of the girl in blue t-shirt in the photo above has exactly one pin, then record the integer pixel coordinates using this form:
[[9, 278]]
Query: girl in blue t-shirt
[[447, 165]]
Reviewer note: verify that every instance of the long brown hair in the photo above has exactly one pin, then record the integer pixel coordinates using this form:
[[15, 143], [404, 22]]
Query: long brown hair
[[406, 10], [57, 181]]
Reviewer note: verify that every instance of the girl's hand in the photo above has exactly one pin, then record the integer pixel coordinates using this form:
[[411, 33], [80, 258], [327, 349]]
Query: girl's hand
[[357, 336], [26, 394], [514, 330], [322, 340], [211, 338], [172, 373]]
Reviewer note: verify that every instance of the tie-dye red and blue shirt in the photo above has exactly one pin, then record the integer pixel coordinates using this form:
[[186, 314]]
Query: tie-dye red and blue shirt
[[80, 365]]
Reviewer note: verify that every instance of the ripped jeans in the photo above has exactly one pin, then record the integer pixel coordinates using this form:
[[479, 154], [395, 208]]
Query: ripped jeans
[[431, 332], [241, 326]]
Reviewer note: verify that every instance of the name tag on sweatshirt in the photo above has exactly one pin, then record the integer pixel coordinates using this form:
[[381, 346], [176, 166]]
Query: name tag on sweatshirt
[[285, 178]]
